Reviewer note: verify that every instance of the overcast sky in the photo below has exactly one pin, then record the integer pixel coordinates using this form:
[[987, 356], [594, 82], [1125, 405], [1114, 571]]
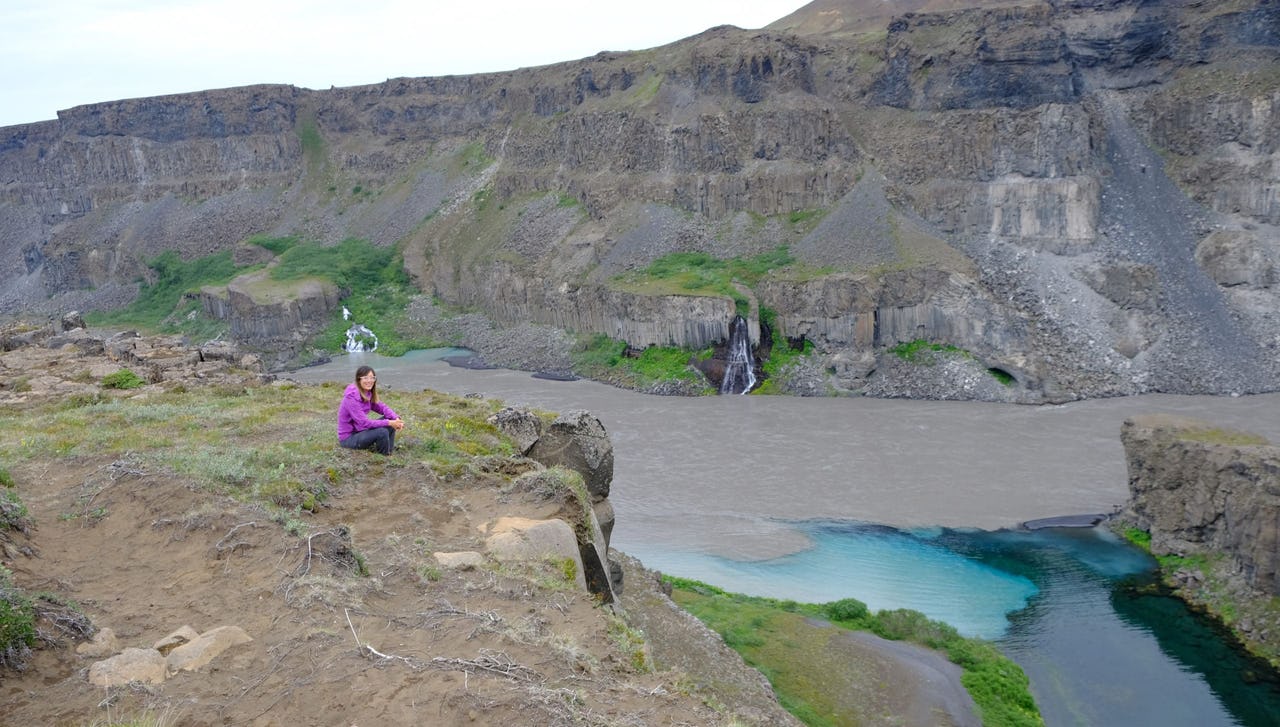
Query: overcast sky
[[56, 54]]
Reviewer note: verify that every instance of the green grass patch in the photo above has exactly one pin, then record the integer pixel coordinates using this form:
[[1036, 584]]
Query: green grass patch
[[160, 305], [122, 379], [810, 672], [378, 290], [470, 158], [272, 445], [13, 512], [1004, 377], [921, 351], [604, 358], [1215, 435], [696, 273], [277, 245], [17, 622]]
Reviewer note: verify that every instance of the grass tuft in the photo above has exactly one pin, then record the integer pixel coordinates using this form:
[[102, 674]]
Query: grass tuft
[[781, 640]]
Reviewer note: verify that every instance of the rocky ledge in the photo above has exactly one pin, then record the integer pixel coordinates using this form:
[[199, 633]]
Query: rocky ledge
[[1210, 497]]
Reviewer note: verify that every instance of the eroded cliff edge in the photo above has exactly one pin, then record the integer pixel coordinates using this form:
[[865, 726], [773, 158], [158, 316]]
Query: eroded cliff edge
[[1210, 499], [1081, 195]]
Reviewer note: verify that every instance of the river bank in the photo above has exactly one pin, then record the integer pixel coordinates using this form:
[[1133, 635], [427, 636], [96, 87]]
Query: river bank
[[146, 544]]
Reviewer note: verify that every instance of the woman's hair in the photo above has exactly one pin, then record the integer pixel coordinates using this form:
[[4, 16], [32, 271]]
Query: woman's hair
[[373, 390]]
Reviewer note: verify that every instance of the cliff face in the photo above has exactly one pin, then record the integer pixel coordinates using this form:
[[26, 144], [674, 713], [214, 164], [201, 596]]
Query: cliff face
[[1199, 489], [1083, 194]]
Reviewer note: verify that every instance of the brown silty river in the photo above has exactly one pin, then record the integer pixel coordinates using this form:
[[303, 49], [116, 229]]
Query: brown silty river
[[720, 474]]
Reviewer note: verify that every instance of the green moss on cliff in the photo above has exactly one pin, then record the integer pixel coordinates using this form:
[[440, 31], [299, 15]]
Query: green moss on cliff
[[697, 273], [605, 359], [1208, 581], [164, 302]]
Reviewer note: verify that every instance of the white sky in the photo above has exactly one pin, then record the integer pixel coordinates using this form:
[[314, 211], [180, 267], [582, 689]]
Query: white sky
[[56, 54]]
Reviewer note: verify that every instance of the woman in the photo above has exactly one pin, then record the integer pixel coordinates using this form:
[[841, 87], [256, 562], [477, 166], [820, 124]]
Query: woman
[[356, 430]]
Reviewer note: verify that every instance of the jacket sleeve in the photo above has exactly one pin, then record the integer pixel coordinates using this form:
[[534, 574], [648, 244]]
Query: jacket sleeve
[[385, 411], [352, 411]]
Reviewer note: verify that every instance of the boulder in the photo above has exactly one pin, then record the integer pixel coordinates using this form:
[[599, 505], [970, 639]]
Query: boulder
[[102, 644], [184, 635], [520, 424], [522, 540], [72, 320], [131, 665], [578, 440], [204, 648]]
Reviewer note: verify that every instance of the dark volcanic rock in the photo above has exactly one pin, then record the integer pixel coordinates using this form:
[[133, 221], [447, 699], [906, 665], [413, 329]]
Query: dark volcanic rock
[[1201, 489]]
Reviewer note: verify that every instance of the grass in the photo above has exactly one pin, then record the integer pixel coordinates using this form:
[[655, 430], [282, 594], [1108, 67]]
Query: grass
[[378, 291], [17, 622], [162, 303], [604, 358], [13, 512], [781, 355], [273, 445], [921, 351], [122, 379], [697, 273], [1216, 435], [780, 639]]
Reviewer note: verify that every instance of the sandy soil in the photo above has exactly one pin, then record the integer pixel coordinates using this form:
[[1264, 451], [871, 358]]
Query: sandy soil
[[145, 555]]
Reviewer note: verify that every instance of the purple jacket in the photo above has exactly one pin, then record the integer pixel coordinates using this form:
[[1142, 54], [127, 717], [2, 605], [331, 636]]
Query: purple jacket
[[353, 413]]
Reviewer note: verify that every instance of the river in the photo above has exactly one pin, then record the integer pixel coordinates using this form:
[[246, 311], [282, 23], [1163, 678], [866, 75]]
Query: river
[[759, 494]]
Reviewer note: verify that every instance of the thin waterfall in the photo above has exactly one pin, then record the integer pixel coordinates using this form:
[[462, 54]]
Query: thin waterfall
[[739, 365], [359, 337]]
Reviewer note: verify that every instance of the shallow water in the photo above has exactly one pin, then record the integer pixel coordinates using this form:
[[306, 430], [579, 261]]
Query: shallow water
[[772, 495]]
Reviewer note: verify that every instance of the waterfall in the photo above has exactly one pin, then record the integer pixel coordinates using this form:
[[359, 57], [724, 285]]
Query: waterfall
[[739, 365], [359, 337]]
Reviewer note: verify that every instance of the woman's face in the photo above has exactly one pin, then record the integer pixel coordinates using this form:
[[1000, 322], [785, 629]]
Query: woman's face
[[367, 382]]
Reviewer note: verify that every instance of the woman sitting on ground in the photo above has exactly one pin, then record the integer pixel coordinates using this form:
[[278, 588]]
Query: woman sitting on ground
[[356, 430]]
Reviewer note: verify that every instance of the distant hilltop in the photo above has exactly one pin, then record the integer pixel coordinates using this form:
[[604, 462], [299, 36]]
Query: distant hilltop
[[1049, 200]]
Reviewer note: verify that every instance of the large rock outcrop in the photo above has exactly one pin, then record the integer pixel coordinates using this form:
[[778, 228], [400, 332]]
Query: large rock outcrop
[[1202, 489], [576, 442]]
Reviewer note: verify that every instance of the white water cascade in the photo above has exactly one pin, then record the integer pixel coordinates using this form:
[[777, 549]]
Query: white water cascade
[[739, 365], [359, 337]]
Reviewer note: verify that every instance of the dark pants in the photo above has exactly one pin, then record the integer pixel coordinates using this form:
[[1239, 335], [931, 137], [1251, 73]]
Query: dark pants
[[380, 439]]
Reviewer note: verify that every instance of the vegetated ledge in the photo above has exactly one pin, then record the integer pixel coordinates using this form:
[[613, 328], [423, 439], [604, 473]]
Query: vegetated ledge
[[200, 493], [1205, 500]]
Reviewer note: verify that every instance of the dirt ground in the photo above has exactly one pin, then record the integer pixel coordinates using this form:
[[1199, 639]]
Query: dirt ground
[[408, 643], [353, 620]]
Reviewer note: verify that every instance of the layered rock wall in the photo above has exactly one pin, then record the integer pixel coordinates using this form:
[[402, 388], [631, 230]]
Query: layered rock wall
[[1201, 489], [265, 311], [689, 321]]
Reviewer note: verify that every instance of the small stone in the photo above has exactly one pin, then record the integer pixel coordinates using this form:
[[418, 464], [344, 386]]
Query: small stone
[[103, 643], [464, 560], [183, 635], [203, 649], [130, 665]]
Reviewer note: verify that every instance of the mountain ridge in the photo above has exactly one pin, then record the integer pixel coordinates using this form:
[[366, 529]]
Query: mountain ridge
[[990, 127]]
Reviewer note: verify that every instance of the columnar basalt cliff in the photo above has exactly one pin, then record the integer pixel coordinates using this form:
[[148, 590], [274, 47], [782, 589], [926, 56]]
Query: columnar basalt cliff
[[1080, 193], [1201, 489]]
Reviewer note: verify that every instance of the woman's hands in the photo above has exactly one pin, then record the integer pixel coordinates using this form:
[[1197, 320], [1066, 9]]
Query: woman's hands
[[396, 424]]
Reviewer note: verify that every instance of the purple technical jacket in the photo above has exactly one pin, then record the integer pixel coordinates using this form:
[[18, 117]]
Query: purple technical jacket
[[353, 413]]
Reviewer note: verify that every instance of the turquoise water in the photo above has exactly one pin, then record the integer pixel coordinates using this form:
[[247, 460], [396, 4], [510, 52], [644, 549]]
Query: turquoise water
[[1075, 607], [880, 566]]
